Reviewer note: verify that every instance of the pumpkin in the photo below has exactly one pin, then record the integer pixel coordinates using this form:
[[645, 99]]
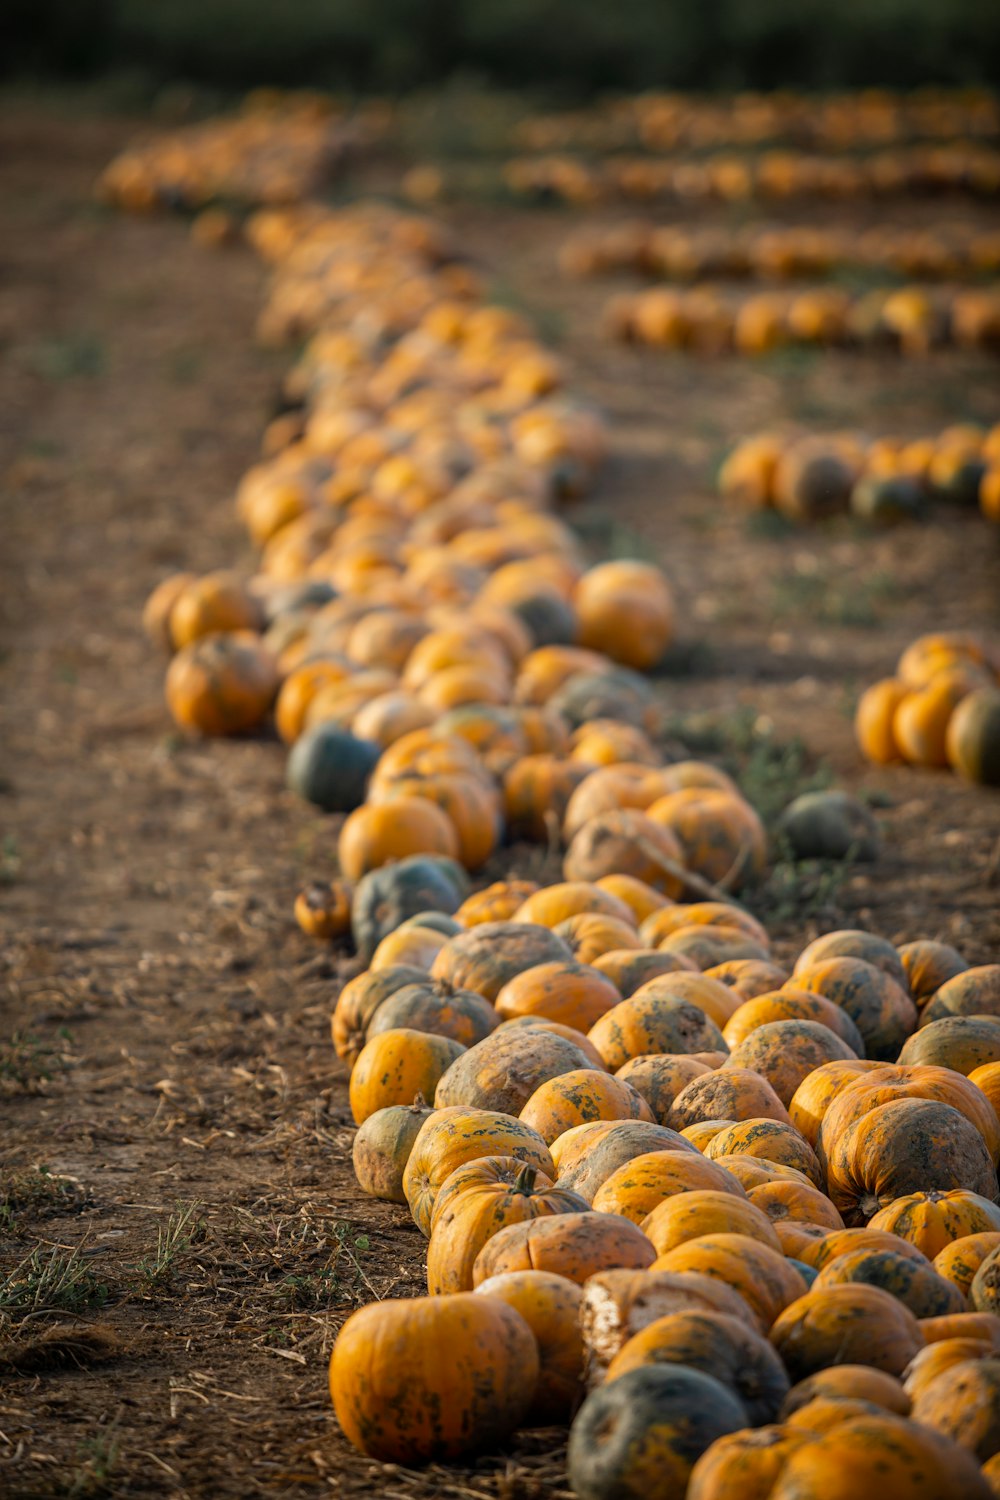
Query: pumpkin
[[298, 690], [817, 1091], [984, 1293], [550, 1305], [879, 1457], [382, 1148], [701, 1211], [753, 1172], [555, 904], [784, 1200], [216, 604], [629, 969], [718, 1002], [908, 1145], [159, 607], [323, 911], [895, 1082], [615, 783], [537, 790], [879, 1007], [489, 955], [544, 670], [792, 1005], [769, 1139], [960, 1259], [360, 999], [396, 1066], [727, 1094], [915, 1283], [660, 924], [972, 740], [470, 806], [422, 1379], [574, 993], [497, 903], [641, 899], [477, 1201], [569, 1034], [706, 947], [576, 1245], [720, 1346], [932, 1221], [455, 1136], [840, 1241], [744, 1465], [418, 946], [650, 1023], [641, 1434], [928, 965], [625, 611], [502, 1071], [221, 684], [660, 1079], [976, 992], [963, 1403], [461, 1014], [861, 1382], [765, 1280], [613, 740], [579, 1096], [962, 1043], [702, 1134], [786, 1052], [627, 842], [934, 1359], [640, 1185], [386, 897], [591, 934], [721, 836], [586, 1162], [838, 1325], [874, 720], [987, 1080], [984, 1326], [749, 977], [611, 697], [923, 716]]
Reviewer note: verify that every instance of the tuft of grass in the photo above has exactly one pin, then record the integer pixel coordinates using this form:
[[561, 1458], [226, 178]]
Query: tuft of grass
[[48, 1282], [341, 1274], [28, 1061], [771, 771], [795, 893], [173, 1239], [72, 357], [35, 1193], [10, 860], [855, 601], [99, 1459]]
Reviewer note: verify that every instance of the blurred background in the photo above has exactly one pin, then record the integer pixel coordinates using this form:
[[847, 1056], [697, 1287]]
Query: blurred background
[[564, 48]]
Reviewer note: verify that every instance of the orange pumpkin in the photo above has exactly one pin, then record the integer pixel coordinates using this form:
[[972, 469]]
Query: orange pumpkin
[[575, 1245], [836, 1325], [395, 1066], [721, 836], [323, 911], [625, 611], [874, 720], [929, 965], [859, 1381], [570, 992], [792, 1005], [769, 1139], [455, 1136], [882, 1011], [960, 1259], [764, 1279], [686, 1216], [553, 904], [629, 969], [215, 604], [660, 1078], [786, 1052], [222, 684], [730, 1093], [497, 903], [550, 1305], [934, 1220], [817, 1091], [374, 834], [640, 1185], [650, 1023], [627, 842]]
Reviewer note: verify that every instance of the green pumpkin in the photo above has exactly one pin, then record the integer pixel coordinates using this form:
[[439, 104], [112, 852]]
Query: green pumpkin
[[385, 898], [330, 767]]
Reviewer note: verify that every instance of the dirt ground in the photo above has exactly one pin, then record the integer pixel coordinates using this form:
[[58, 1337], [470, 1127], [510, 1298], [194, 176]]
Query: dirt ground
[[175, 1176]]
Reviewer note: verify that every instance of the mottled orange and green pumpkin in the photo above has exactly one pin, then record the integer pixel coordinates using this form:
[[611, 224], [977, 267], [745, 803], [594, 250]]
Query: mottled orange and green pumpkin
[[817, 1091], [597, 1152], [686, 1216], [765, 1280], [963, 1403], [879, 1007], [786, 1052], [963, 1043], [581, 1095], [929, 965], [429, 1378], [837, 1325], [395, 1066], [575, 1245], [857, 1381], [769, 1139], [550, 1305], [934, 1220], [660, 1078], [915, 1283], [648, 1022], [637, 1187], [456, 1135], [728, 1093]]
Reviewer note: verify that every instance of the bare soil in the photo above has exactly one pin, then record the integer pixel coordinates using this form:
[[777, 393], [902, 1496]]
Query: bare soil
[[176, 1142]]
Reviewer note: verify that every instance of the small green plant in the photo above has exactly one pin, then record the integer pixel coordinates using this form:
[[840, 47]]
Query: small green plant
[[74, 356], [10, 860], [98, 1458], [795, 892], [48, 1281], [181, 1230], [27, 1061], [35, 1192], [339, 1276]]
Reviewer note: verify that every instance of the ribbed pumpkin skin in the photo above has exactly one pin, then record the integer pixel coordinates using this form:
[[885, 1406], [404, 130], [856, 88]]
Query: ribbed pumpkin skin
[[880, 1458], [916, 1285], [929, 965], [395, 1066], [497, 903], [489, 955], [660, 1078], [932, 1361], [720, 1346], [964, 1404], [959, 1261], [456, 1135], [890, 1083], [581, 1095], [640, 1435], [730, 1093], [643, 1183], [717, 1001], [976, 992], [427, 1378], [816, 1093], [963, 1043], [782, 1201], [570, 992], [360, 999], [382, 1148], [645, 1023], [792, 1005], [984, 1326], [932, 1221], [906, 1146], [556, 1028], [503, 1071], [786, 1052], [575, 1245], [689, 1216], [621, 1143], [744, 1465], [879, 1007], [846, 1325], [550, 1305], [853, 942], [859, 1381], [461, 1014], [475, 1203], [768, 1139], [839, 1241], [764, 1279]]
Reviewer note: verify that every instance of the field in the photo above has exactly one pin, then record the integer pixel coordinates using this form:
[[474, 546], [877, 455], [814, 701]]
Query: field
[[177, 1199]]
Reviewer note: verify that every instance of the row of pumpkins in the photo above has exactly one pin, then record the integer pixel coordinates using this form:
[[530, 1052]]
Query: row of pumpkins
[[781, 252], [667, 122], [587, 1049], [774, 176], [942, 708], [721, 1218], [706, 318], [280, 147], [881, 480]]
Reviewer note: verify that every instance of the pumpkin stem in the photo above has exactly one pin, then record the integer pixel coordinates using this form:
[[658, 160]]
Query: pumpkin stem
[[419, 1102], [524, 1182]]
